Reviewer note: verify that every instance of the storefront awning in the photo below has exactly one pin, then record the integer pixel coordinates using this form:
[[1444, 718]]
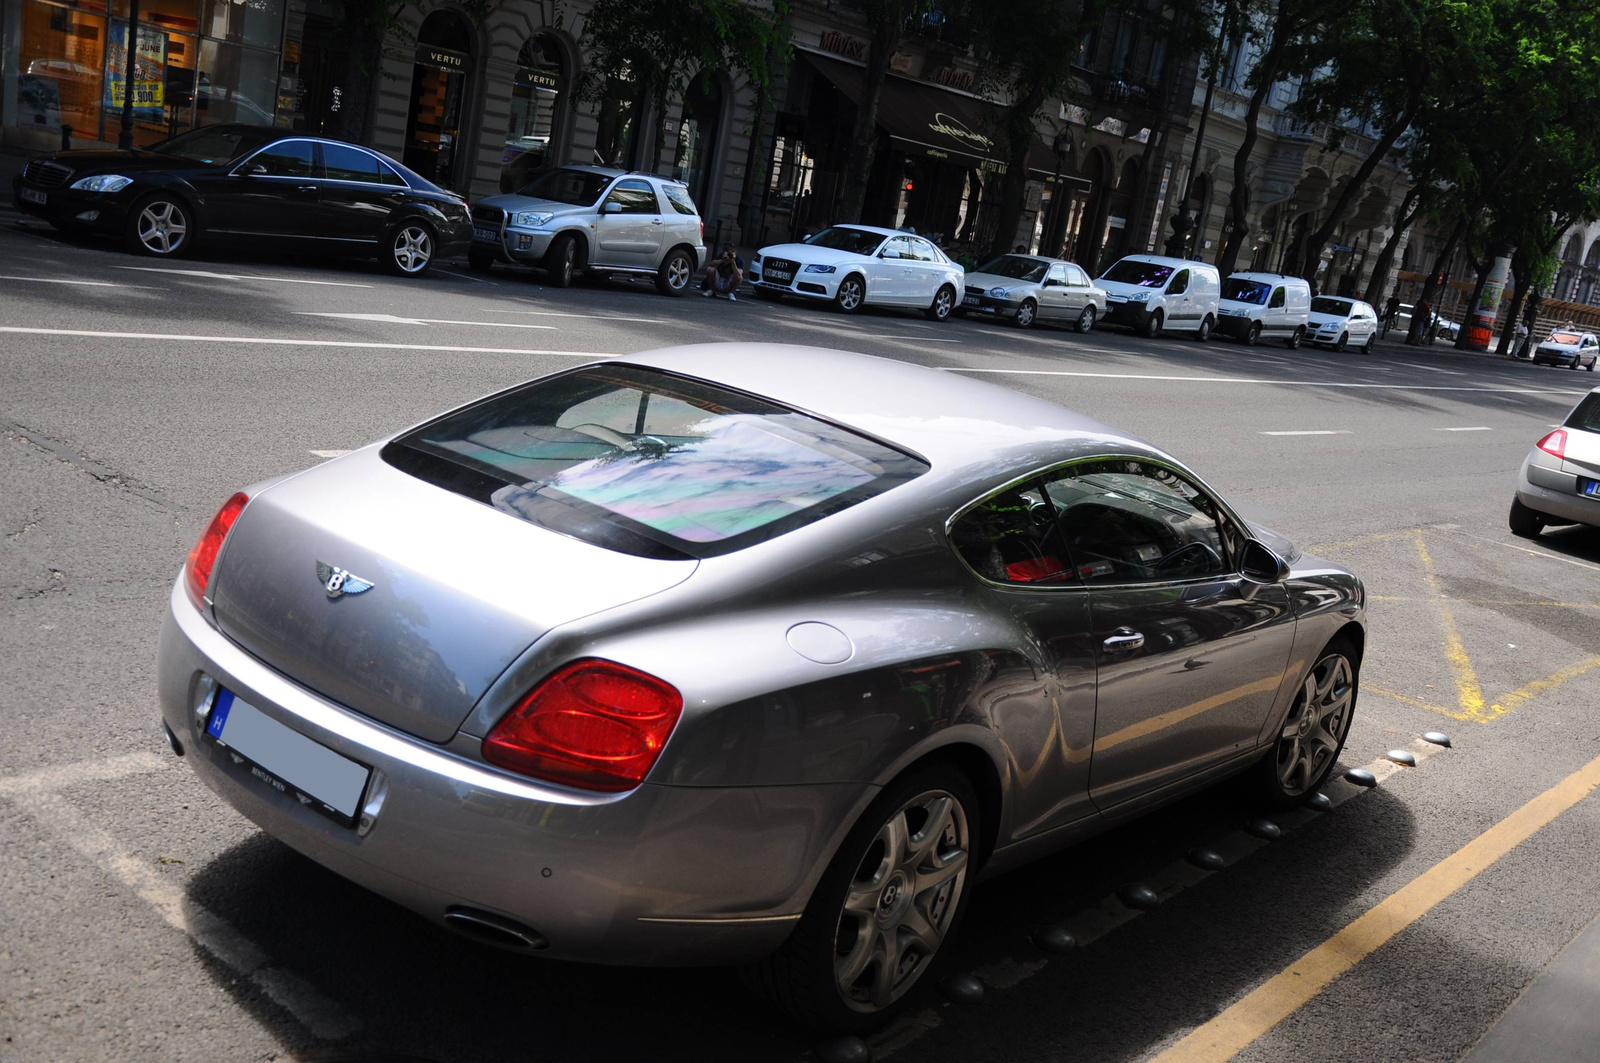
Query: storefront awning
[[927, 120]]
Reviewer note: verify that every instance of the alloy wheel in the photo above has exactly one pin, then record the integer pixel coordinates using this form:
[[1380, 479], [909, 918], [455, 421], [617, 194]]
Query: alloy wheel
[[1086, 320], [902, 901], [162, 227], [678, 273], [1025, 313], [850, 294], [413, 249], [1316, 725]]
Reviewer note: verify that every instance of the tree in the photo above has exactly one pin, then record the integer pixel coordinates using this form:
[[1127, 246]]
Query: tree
[[886, 26]]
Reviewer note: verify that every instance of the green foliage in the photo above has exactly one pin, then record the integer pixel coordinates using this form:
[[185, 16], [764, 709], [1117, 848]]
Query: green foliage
[[663, 44]]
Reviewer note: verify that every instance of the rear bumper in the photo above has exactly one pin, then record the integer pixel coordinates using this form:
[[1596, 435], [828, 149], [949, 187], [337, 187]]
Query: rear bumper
[[661, 875], [1555, 494]]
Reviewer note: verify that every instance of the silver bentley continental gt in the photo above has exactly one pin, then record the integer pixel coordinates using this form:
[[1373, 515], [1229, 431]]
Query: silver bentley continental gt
[[743, 654]]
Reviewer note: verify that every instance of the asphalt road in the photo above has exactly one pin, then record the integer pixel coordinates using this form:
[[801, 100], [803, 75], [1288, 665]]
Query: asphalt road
[[142, 919]]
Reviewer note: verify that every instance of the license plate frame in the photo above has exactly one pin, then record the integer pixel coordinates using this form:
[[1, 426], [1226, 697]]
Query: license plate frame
[[288, 761], [777, 276], [29, 195], [488, 236], [971, 300]]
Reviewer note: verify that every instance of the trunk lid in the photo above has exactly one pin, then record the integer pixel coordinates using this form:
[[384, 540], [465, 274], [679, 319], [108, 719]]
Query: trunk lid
[[458, 590], [1582, 453]]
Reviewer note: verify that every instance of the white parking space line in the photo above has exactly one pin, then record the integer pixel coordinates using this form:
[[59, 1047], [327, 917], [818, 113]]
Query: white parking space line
[[64, 280], [283, 341], [210, 275], [392, 319], [1474, 428], [1521, 549], [1267, 380], [105, 769], [465, 276], [1310, 432], [330, 453]]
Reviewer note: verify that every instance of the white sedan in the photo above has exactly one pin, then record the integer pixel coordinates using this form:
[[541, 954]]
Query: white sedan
[[1339, 323], [857, 265]]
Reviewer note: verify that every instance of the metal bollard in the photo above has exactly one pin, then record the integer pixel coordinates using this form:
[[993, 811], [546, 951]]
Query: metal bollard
[[66, 138]]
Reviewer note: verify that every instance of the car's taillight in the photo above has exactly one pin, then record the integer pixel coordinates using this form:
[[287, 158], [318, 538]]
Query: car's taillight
[[702, 232], [594, 724], [1555, 443], [197, 573]]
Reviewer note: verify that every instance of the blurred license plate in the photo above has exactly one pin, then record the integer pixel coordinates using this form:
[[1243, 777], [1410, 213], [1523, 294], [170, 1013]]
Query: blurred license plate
[[486, 234], [1592, 488], [30, 196], [287, 760], [971, 300], [778, 276]]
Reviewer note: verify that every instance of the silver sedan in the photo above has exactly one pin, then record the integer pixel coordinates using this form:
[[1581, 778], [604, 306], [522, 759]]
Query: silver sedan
[[1029, 288], [1559, 482], [697, 657]]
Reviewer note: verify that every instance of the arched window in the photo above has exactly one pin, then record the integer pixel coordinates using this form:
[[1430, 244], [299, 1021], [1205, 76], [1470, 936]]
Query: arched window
[[438, 91], [617, 140], [697, 139], [536, 90]]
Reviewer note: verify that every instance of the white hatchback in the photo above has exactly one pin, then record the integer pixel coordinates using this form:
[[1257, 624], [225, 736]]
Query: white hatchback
[[1338, 322], [856, 265]]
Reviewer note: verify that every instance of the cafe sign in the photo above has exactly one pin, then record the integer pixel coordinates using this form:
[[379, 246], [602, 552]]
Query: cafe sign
[[958, 131]]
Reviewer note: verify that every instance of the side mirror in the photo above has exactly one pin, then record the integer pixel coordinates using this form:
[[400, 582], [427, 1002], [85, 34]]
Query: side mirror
[[611, 207], [1258, 563], [890, 253], [1051, 282], [254, 170]]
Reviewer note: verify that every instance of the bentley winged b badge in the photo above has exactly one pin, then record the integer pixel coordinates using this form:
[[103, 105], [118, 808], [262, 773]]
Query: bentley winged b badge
[[338, 582]]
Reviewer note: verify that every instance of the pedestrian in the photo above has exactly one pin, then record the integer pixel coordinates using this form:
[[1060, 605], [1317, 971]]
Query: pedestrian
[[724, 274], [1021, 249], [1424, 314], [1391, 311], [1521, 339]]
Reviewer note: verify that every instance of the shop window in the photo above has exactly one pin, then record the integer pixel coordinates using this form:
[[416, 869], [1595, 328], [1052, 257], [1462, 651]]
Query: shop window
[[257, 22], [697, 138], [438, 91], [235, 84], [617, 138], [61, 65], [535, 101], [164, 85]]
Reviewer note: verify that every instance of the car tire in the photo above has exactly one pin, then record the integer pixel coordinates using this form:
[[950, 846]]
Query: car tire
[[675, 272], [1253, 335], [1372, 341], [561, 261], [1086, 320], [1312, 735], [1527, 523], [807, 976], [480, 261], [944, 301], [162, 226], [1295, 340], [1344, 341], [1152, 325], [852, 294], [408, 249], [1206, 325], [1025, 314]]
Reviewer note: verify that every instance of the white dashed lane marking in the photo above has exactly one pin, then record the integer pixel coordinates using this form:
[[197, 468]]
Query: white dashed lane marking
[[392, 319], [1311, 432], [206, 274], [330, 453], [287, 341], [1474, 428]]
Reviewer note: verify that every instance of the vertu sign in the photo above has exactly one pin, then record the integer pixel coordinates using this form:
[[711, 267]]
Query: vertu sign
[[443, 58]]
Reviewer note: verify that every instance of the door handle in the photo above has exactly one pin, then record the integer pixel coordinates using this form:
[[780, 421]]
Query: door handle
[[657, 221], [1124, 639], [305, 188]]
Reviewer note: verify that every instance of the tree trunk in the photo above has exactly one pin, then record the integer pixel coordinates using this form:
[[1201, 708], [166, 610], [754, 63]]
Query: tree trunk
[[1430, 287], [1519, 291], [1410, 206], [1239, 197], [758, 121], [864, 137], [1014, 184], [1311, 254], [1483, 269]]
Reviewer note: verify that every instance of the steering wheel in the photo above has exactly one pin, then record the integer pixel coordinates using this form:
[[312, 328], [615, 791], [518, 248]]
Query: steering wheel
[[1188, 554], [605, 435]]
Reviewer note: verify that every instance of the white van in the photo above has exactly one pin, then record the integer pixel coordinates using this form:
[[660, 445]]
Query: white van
[[1149, 293], [1257, 306]]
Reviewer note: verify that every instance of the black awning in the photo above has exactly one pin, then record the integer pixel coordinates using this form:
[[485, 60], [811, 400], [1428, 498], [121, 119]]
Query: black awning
[[927, 120]]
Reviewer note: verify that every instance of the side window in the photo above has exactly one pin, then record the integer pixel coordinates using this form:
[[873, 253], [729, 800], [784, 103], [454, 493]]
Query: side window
[[899, 247], [342, 163], [636, 197], [1276, 302], [678, 196], [1058, 275], [1012, 537], [1179, 283], [923, 251], [1077, 277], [291, 158], [1132, 521]]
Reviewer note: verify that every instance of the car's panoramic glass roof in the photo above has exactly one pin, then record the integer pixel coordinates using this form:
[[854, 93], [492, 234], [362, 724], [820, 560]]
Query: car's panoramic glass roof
[[646, 462]]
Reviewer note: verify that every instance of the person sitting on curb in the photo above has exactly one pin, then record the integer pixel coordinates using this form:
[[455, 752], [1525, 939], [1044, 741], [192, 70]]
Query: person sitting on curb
[[724, 275]]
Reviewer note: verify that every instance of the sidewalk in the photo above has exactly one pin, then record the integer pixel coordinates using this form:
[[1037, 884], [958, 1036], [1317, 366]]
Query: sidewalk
[[1555, 1018]]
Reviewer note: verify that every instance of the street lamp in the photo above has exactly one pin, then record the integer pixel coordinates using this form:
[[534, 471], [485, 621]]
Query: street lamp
[[125, 139]]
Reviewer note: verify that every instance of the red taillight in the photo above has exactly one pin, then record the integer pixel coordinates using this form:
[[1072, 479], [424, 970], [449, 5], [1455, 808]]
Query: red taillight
[[702, 232], [204, 554], [594, 724], [1555, 443]]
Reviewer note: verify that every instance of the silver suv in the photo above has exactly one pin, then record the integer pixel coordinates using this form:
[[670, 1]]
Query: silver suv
[[590, 219]]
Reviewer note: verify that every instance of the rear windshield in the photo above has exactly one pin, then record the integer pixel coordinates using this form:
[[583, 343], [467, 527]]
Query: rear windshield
[[1333, 307], [1586, 415], [1132, 271], [1019, 267], [1246, 291], [648, 463]]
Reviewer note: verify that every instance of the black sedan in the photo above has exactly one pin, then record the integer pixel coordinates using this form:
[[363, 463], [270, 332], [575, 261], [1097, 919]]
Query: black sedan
[[252, 186]]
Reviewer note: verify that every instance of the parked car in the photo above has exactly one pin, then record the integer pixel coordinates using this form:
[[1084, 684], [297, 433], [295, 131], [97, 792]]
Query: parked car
[[1568, 348], [1256, 305], [1442, 328], [731, 654], [594, 220], [1150, 293], [252, 187], [1338, 322], [861, 265], [1029, 288], [1559, 482]]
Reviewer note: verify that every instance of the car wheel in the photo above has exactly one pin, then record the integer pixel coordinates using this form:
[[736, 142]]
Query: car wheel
[[1253, 337], [852, 294], [884, 908], [1591, 363], [944, 301], [1525, 522], [1313, 733], [1344, 341], [1026, 313], [561, 261], [480, 261], [1152, 325], [1295, 340], [672, 277], [409, 249], [1086, 320], [160, 225], [1205, 329], [1372, 341]]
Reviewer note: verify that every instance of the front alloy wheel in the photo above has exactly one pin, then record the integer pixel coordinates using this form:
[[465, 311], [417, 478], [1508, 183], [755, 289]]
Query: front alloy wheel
[[852, 293], [410, 250], [1026, 313], [1314, 732], [160, 227]]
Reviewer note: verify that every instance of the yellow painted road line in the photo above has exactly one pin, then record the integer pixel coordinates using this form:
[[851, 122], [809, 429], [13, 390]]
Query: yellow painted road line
[[1517, 698], [1469, 692], [1246, 1021], [1368, 688]]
